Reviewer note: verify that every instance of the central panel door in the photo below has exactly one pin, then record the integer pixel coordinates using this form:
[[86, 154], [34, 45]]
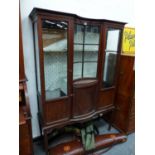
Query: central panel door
[[86, 47], [85, 97]]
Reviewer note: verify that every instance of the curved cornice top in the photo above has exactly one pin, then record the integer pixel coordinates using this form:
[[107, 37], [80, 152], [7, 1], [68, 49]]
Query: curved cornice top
[[37, 11]]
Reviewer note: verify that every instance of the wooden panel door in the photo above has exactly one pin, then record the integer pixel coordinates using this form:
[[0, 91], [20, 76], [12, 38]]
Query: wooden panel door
[[85, 97]]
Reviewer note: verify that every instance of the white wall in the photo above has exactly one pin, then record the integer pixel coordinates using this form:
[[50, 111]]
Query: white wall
[[121, 10]]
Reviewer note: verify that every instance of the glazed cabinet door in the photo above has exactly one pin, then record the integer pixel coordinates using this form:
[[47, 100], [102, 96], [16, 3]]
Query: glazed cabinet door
[[55, 53], [85, 61], [112, 46], [110, 57], [52, 59]]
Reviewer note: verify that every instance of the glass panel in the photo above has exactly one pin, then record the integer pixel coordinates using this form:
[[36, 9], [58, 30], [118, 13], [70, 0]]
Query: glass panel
[[92, 34], [85, 54], [78, 49], [90, 69], [109, 69], [55, 58], [112, 39], [37, 57], [77, 71], [78, 34], [91, 52]]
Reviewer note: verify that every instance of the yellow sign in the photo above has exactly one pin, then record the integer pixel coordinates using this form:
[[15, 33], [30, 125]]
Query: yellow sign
[[128, 47]]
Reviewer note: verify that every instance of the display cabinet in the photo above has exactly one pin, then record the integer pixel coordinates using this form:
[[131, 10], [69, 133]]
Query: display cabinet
[[77, 61]]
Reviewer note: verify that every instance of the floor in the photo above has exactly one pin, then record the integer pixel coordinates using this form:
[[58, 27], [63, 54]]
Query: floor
[[127, 148]]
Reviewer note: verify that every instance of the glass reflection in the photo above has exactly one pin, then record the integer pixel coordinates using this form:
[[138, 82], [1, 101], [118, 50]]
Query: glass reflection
[[112, 40], [86, 46], [112, 43], [54, 35]]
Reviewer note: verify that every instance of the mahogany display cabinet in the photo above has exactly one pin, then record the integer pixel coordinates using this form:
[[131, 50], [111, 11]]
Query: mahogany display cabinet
[[77, 63]]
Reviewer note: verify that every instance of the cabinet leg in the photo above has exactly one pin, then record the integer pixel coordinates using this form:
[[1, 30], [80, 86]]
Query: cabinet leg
[[40, 125], [109, 127], [45, 142], [110, 120]]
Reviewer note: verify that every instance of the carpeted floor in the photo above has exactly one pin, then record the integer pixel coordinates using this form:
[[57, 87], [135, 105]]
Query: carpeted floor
[[127, 148]]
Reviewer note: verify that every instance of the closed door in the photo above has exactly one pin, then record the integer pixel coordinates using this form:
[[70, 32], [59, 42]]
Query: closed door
[[85, 97], [85, 61]]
